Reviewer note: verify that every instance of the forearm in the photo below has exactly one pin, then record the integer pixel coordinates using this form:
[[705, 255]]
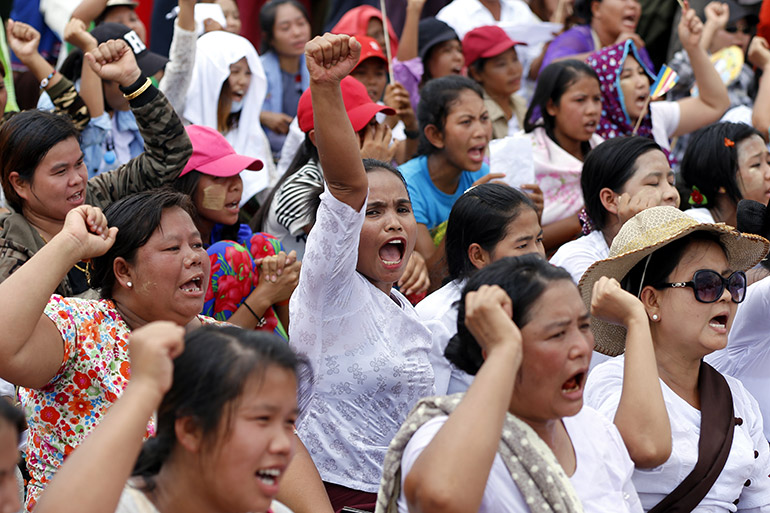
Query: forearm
[[301, 487], [557, 233], [408, 45], [42, 69], [91, 90], [243, 317], [709, 29], [178, 74], [760, 114], [68, 101], [711, 90], [89, 10]]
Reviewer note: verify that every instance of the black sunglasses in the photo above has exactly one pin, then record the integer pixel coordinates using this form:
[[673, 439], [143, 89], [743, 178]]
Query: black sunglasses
[[745, 30], [709, 285]]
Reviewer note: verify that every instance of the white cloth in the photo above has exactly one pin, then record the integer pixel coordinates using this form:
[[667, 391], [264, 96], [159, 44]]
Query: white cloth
[[577, 255], [133, 500], [7, 389], [744, 477], [747, 355], [215, 52], [290, 147], [665, 120], [599, 452], [368, 349], [702, 215]]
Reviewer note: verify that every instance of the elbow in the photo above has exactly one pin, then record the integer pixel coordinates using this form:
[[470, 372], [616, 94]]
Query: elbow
[[428, 496], [650, 453], [761, 123]]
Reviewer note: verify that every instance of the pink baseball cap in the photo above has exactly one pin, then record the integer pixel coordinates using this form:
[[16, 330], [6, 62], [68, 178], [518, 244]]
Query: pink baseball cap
[[213, 155], [486, 41], [360, 108]]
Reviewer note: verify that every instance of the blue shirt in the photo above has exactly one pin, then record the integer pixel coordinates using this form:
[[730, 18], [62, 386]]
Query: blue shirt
[[431, 206]]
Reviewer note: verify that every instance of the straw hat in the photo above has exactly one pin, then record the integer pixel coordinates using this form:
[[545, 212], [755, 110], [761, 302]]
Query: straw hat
[[646, 232]]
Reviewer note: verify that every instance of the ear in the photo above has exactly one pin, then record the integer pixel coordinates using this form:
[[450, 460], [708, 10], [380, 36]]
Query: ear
[[434, 136], [478, 256], [551, 108], [650, 301], [609, 199], [595, 6], [311, 134], [122, 270], [22, 187], [188, 434]]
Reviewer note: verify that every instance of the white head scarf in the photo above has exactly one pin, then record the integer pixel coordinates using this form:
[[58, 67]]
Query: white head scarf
[[215, 52]]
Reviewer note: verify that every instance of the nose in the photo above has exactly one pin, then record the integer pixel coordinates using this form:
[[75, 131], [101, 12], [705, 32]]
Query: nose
[[671, 195], [193, 256], [583, 345], [283, 442]]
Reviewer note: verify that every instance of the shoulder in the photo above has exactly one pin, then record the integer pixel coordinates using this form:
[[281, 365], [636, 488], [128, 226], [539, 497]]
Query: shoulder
[[412, 168], [436, 304]]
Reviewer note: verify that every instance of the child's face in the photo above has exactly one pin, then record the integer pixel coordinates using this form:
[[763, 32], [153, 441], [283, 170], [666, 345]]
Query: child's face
[[216, 198], [291, 31], [127, 16], [239, 79], [232, 15], [467, 131], [754, 169], [578, 112], [9, 457], [501, 74], [446, 59], [373, 74]]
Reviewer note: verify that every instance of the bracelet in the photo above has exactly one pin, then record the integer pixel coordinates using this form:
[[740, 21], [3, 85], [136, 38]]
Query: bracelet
[[145, 86], [46, 80], [412, 134], [261, 321]]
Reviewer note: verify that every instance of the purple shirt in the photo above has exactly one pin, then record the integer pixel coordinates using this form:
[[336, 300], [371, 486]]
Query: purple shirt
[[578, 40]]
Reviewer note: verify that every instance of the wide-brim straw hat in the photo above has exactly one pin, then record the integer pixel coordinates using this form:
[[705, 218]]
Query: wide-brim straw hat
[[646, 232]]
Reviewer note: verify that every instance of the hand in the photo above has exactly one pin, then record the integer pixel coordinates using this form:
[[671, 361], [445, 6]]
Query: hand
[[76, 33], [331, 57], [637, 39], [488, 316], [152, 349], [629, 206], [536, 195], [759, 52], [690, 29], [23, 39], [114, 60], [279, 276], [87, 227], [415, 5], [488, 178], [610, 303], [377, 143], [563, 11], [397, 97], [278, 122], [415, 278], [210, 25], [717, 14]]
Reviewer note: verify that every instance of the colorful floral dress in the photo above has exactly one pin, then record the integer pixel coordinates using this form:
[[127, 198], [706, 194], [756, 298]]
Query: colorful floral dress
[[94, 372]]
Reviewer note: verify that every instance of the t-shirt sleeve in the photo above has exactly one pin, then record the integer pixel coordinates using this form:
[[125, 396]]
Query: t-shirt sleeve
[[755, 497], [575, 256], [603, 387], [63, 314], [666, 114]]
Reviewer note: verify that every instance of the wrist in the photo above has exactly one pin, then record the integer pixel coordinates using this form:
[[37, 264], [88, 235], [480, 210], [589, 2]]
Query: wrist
[[146, 390], [132, 82]]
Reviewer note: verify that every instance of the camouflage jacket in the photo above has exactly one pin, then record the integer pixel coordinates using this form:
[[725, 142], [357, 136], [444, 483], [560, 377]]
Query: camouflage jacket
[[166, 151]]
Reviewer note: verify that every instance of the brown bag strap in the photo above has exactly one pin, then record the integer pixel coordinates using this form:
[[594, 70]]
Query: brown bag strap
[[716, 437]]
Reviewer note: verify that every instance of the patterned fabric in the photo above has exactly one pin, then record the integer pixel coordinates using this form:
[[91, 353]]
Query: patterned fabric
[[532, 464], [94, 372], [608, 64], [234, 277], [66, 100]]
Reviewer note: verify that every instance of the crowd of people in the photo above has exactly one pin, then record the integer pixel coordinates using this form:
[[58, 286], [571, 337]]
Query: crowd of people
[[467, 255]]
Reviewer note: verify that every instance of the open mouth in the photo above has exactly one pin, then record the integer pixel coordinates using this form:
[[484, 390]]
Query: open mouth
[[195, 285], [476, 153], [630, 21], [591, 126], [392, 252], [77, 197], [238, 95], [574, 384], [269, 476], [719, 322], [233, 206]]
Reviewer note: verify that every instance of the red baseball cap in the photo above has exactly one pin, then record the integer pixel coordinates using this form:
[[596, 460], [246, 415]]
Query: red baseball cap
[[370, 48], [213, 155], [487, 41], [360, 108]]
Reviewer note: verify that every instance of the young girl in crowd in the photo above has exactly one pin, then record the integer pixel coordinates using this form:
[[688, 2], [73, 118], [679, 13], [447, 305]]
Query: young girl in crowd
[[366, 20], [369, 347], [12, 425], [621, 177], [285, 29], [225, 428], [492, 62], [252, 278], [488, 222], [562, 121], [723, 164], [689, 279], [520, 439], [625, 81], [227, 91]]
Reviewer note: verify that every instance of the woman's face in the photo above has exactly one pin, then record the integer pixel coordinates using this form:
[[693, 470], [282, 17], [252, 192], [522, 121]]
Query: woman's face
[[389, 232], [738, 34], [58, 184], [754, 169], [635, 84], [688, 326], [9, 458], [556, 351], [445, 59], [373, 73], [578, 112], [291, 31], [244, 466], [239, 79], [170, 273], [232, 15], [127, 16], [501, 74], [467, 131], [216, 198], [616, 16], [522, 237], [375, 31], [653, 178]]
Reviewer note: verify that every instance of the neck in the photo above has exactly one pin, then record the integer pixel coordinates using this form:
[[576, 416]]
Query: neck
[[605, 37], [555, 436], [205, 227], [492, 6], [289, 63], [724, 210], [444, 175], [571, 146], [124, 303], [504, 101], [45, 226], [679, 371], [611, 229], [179, 487]]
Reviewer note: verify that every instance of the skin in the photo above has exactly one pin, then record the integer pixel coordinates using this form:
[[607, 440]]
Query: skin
[[373, 73], [577, 114], [290, 32], [375, 30], [754, 169], [722, 38], [500, 77], [126, 15], [523, 235], [239, 79], [232, 15], [9, 457], [611, 18], [635, 85], [446, 59], [208, 217], [3, 95]]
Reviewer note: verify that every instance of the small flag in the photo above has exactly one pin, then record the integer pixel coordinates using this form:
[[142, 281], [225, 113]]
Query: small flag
[[666, 79]]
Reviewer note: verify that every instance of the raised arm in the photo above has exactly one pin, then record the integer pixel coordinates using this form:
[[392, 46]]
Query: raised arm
[[410, 35], [641, 417], [178, 74], [717, 16], [759, 56], [89, 10], [76, 33], [31, 348], [712, 100], [329, 59], [108, 454]]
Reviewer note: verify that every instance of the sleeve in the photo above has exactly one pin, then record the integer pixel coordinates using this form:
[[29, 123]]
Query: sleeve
[[296, 199], [565, 44], [92, 140], [755, 497], [667, 114], [745, 341], [63, 313], [575, 257], [66, 100], [419, 441], [621, 465], [178, 74], [167, 150], [603, 387]]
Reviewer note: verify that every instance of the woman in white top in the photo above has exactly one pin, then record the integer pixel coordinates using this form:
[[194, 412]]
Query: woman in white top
[[369, 347], [488, 222], [689, 278], [525, 335]]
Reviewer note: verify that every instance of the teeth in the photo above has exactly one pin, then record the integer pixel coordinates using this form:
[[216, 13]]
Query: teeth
[[388, 262], [399, 242], [269, 472]]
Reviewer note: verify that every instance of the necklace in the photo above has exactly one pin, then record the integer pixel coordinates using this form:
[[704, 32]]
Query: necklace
[[85, 270]]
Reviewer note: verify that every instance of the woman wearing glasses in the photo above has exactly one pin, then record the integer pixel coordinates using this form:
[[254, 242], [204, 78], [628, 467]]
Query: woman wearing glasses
[[689, 278]]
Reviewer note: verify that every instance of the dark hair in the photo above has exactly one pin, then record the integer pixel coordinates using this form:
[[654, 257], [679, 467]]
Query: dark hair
[[188, 184], [663, 261], [13, 416], [611, 164], [267, 20], [436, 100], [374, 165], [524, 278], [209, 377], [552, 83], [137, 217], [582, 10], [753, 218], [480, 216], [25, 140], [710, 161]]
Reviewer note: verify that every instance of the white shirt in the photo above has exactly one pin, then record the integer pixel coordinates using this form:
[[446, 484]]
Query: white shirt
[[603, 393], [747, 355], [602, 478], [577, 255], [369, 352], [665, 120], [702, 215]]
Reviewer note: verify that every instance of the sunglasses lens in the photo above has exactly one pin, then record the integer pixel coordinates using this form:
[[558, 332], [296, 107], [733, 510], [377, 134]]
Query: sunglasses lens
[[708, 286], [736, 284]]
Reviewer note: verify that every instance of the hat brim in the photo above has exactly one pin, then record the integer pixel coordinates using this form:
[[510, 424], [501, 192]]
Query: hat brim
[[744, 251], [229, 165], [151, 62], [361, 115], [437, 39]]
